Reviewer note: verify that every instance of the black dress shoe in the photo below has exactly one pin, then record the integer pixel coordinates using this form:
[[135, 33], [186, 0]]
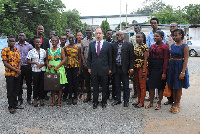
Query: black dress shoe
[[20, 102], [35, 105], [116, 102], [95, 105], [104, 105], [46, 97], [126, 104], [29, 102], [19, 107], [168, 102]]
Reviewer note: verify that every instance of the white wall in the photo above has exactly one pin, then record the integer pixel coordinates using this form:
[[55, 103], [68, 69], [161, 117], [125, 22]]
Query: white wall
[[194, 33]]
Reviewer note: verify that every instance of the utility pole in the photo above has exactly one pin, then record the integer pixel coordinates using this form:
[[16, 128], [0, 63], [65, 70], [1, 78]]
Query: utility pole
[[120, 17], [126, 14]]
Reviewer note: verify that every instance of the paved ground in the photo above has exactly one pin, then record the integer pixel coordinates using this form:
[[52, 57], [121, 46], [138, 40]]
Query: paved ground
[[82, 119]]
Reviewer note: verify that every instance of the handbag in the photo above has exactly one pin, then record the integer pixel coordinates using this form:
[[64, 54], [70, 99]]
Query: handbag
[[52, 81], [167, 91]]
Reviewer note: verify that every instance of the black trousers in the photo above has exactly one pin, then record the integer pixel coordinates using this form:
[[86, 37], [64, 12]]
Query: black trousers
[[96, 82], [12, 85], [72, 79], [26, 72], [38, 84], [87, 82]]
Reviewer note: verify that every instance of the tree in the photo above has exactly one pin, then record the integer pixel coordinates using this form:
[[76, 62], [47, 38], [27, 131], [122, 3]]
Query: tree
[[134, 21], [150, 6], [105, 26], [25, 15], [192, 13], [73, 20], [168, 15], [123, 25]]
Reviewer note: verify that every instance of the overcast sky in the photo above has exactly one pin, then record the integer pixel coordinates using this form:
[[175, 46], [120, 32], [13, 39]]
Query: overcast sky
[[112, 7]]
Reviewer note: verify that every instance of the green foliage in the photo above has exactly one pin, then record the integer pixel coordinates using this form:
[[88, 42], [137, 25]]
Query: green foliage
[[193, 13], [123, 25], [105, 26], [134, 21], [26, 15], [150, 6], [73, 20], [168, 15]]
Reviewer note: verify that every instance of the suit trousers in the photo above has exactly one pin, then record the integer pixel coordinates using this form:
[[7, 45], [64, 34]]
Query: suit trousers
[[38, 84], [140, 84], [119, 77], [26, 72], [96, 82], [13, 85]]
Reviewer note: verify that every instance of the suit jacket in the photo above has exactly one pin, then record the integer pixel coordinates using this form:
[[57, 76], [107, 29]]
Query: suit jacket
[[127, 56], [100, 65], [44, 45]]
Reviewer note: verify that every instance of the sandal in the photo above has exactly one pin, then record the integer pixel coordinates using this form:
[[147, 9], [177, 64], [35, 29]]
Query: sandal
[[148, 106], [176, 110], [52, 104], [58, 105], [171, 109], [158, 107]]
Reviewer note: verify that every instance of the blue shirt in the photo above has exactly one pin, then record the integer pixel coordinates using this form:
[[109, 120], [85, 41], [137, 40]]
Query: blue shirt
[[150, 39]]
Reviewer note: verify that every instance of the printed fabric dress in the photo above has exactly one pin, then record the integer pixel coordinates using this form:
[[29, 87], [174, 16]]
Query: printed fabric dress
[[54, 60], [175, 68]]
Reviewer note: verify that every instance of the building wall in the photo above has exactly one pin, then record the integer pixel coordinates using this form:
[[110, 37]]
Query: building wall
[[113, 21]]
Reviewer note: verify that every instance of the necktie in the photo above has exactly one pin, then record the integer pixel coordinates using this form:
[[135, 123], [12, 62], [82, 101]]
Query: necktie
[[98, 48]]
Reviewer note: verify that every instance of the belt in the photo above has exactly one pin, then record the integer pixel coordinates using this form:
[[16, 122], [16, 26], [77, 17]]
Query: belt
[[118, 65], [177, 59]]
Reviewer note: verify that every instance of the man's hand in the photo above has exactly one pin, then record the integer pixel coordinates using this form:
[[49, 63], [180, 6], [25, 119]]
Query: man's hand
[[163, 77], [130, 71], [18, 71], [89, 71]]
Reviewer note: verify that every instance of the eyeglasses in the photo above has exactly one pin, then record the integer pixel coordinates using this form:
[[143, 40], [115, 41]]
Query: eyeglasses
[[98, 33]]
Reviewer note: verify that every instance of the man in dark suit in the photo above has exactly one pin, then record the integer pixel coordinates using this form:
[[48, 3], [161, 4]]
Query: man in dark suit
[[122, 67], [44, 41], [99, 64]]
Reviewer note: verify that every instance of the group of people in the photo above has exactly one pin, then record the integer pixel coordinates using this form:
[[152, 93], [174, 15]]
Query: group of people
[[160, 58]]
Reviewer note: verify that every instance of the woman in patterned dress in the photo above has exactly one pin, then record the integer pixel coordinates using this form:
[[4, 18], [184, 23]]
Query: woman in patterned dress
[[140, 68], [55, 60], [73, 54]]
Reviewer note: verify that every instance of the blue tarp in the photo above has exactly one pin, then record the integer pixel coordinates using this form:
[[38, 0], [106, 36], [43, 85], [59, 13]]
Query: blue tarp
[[3, 44]]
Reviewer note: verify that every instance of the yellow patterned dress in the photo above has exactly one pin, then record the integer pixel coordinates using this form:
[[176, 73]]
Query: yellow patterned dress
[[72, 56], [54, 60]]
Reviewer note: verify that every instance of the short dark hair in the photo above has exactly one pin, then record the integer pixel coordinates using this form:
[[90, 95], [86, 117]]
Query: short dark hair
[[39, 26], [63, 35], [137, 25], [11, 37], [144, 36], [21, 32], [109, 30], [55, 37], [180, 31], [160, 32], [36, 37], [154, 19]]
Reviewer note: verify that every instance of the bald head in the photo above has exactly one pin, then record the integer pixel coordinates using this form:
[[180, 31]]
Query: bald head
[[173, 26]]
